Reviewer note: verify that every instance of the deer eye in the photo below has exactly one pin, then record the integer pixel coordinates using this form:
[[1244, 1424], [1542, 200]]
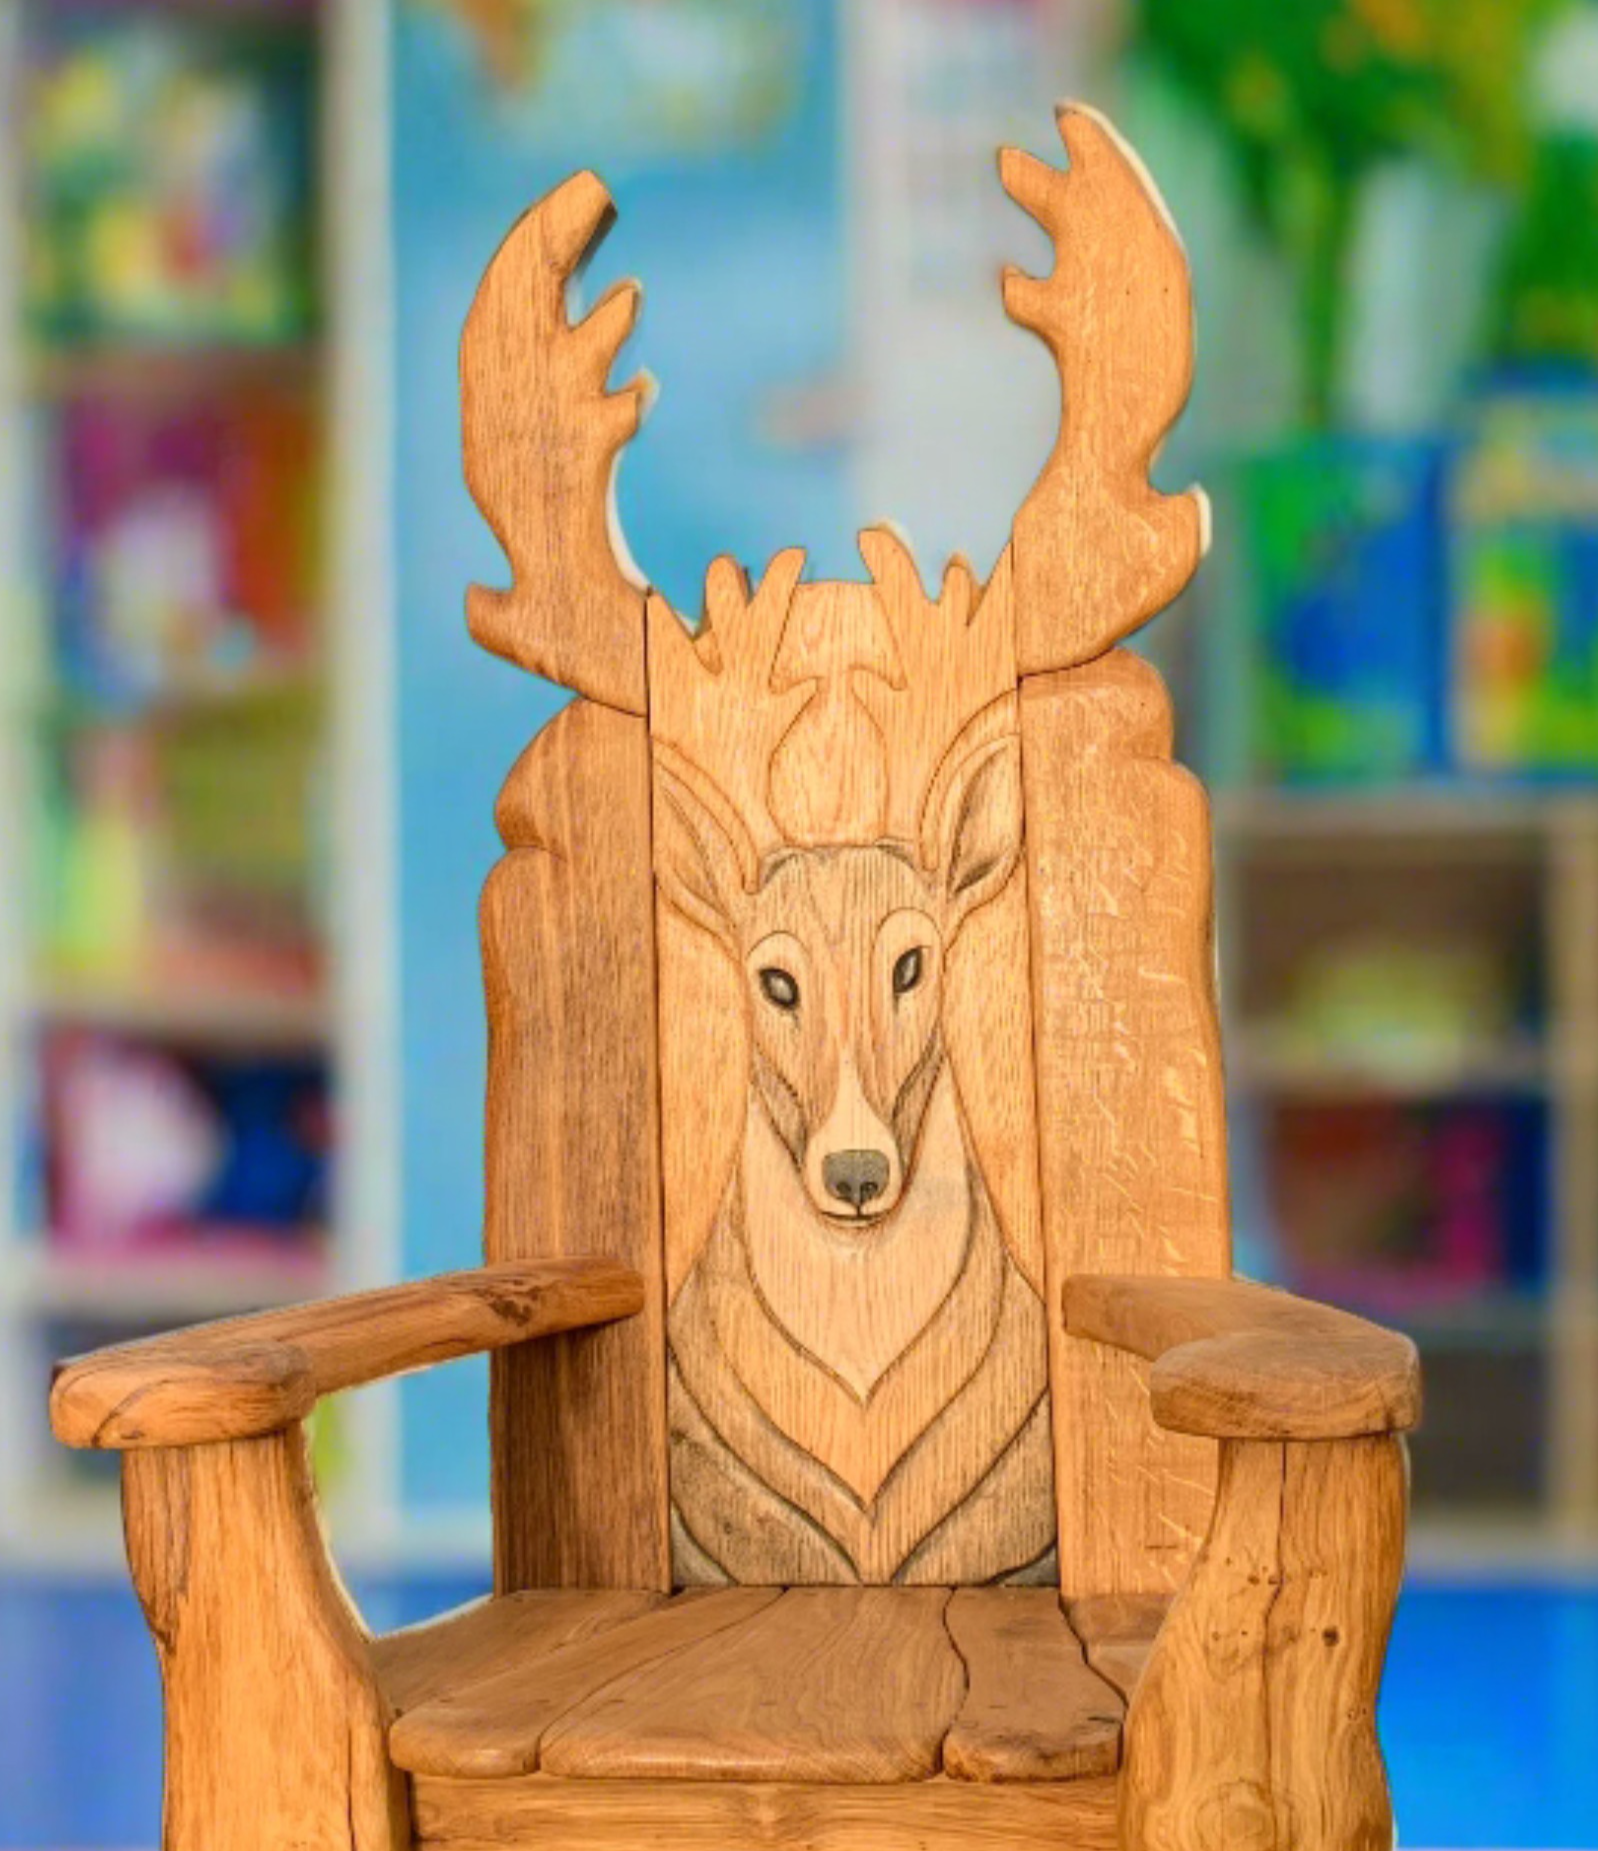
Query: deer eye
[[779, 988], [907, 971]]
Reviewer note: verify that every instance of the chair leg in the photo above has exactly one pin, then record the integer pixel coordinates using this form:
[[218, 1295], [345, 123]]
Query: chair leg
[[1254, 1726], [275, 1726]]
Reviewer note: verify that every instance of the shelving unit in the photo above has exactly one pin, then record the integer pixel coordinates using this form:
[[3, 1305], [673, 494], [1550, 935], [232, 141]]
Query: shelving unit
[[342, 1020], [1292, 867]]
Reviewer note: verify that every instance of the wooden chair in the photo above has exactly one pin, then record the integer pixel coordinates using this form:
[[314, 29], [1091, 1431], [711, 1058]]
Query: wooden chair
[[882, 1453]]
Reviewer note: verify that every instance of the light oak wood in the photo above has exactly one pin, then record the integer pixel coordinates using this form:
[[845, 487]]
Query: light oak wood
[[1129, 1094], [418, 1663], [858, 1381], [1118, 1633], [1240, 1361], [1255, 1721], [252, 1375], [1096, 550], [572, 1125], [540, 437], [491, 1726], [1032, 1709], [620, 1815], [841, 1685], [274, 1718]]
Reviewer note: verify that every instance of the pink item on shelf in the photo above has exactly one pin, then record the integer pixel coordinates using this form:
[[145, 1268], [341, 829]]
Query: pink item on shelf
[[1390, 1210], [137, 1143], [1468, 1164]]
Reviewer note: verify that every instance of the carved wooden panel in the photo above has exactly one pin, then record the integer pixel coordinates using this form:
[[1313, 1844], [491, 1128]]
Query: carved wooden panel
[[1129, 1090], [1097, 549], [577, 1421], [858, 1384], [540, 436]]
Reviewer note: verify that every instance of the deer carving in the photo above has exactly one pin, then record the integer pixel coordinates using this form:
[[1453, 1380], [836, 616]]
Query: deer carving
[[857, 1369], [856, 1354]]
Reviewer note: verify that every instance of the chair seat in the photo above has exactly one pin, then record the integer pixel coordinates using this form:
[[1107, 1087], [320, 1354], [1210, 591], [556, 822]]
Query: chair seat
[[845, 1686]]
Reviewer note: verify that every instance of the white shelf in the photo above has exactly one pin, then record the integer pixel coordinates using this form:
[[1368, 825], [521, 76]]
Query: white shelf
[[66, 1529], [46, 1516], [1257, 1062], [186, 1286], [1464, 814], [1519, 865], [261, 1020], [162, 371], [1468, 1547]]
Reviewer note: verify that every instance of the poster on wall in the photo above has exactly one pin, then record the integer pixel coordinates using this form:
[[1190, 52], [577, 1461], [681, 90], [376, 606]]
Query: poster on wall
[[681, 77], [937, 86]]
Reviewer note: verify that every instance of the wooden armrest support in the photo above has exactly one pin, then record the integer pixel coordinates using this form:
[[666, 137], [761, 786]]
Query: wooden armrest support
[[276, 1722], [1233, 1360], [254, 1375], [1254, 1722]]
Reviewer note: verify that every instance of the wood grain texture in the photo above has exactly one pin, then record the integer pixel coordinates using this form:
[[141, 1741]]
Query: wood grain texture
[[540, 438], [1133, 1151], [274, 1718], [1236, 1360], [573, 1168], [419, 1663], [841, 1685], [491, 1726], [1118, 1633], [1097, 550], [620, 1815], [1254, 1725], [858, 1352], [252, 1375], [1032, 1708]]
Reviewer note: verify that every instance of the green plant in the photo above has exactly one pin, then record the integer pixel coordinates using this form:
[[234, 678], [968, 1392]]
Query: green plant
[[1312, 94]]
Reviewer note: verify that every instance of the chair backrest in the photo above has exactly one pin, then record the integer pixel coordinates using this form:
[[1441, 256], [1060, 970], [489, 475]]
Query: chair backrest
[[848, 973]]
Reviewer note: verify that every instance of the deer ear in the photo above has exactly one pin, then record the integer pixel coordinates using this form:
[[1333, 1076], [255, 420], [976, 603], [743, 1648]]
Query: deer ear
[[696, 858], [981, 826]]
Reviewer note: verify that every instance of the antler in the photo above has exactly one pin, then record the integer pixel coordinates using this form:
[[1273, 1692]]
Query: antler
[[956, 656], [806, 715], [716, 711], [542, 438], [1097, 551]]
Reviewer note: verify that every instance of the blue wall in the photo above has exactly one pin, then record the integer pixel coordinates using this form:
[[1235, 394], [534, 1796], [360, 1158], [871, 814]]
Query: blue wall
[[740, 253]]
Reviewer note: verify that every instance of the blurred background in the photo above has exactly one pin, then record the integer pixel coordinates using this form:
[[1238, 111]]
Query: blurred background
[[248, 756]]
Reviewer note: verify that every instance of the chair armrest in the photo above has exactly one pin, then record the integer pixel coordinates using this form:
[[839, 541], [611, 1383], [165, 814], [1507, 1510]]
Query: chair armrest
[[249, 1376], [1233, 1360]]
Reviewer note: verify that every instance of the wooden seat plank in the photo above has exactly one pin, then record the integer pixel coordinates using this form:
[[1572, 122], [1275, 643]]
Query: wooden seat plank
[[418, 1663], [491, 1726], [835, 1685], [1117, 1632], [689, 1815], [1033, 1709]]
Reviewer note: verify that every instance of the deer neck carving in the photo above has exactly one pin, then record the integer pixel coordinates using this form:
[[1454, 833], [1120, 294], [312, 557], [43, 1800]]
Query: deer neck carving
[[854, 1297]]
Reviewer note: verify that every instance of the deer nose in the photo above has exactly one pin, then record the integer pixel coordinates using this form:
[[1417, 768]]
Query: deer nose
[[855, 1176]]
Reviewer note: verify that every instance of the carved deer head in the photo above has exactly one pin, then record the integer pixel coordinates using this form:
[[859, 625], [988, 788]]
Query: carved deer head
[[842, 951], [838, 788]]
